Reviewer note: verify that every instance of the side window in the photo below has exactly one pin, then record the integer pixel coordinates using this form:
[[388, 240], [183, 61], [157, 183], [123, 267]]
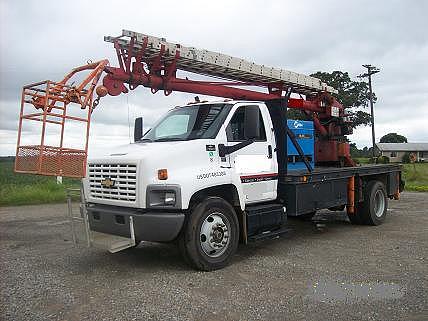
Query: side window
[[235, 129]]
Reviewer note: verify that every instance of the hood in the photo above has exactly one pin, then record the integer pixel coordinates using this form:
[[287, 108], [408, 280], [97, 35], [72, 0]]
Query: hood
[[154, 150]]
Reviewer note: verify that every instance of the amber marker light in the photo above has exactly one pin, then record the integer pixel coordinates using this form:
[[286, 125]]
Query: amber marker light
[[162, 174]]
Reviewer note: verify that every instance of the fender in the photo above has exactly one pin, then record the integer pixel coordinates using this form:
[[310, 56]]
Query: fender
[[229, 191]]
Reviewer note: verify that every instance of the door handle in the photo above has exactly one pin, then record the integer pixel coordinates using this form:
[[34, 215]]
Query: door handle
[[269, 151]]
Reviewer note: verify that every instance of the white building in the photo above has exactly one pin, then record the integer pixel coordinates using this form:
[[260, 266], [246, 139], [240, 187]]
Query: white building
[[396, 151]]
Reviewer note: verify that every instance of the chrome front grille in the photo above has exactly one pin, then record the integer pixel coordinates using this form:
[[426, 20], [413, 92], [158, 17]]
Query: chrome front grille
[[113, 181]]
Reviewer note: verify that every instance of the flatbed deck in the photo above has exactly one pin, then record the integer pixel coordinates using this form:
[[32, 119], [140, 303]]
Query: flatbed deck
[[323, 173], [326, 187]]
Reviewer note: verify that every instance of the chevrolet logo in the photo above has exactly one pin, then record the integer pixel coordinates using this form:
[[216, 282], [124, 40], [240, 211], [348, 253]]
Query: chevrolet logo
[[107, 182]]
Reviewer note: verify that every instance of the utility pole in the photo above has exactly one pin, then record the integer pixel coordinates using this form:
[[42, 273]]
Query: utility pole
[[371, 70]]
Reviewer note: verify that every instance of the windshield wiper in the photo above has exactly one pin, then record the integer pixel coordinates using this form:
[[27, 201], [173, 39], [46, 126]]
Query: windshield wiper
[[145, 140], [168, 139]]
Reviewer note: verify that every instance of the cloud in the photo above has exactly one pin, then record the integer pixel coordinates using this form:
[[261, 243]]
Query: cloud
[[45, 39]]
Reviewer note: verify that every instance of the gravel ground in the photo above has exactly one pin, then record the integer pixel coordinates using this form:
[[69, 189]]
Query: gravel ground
[[338, 272]]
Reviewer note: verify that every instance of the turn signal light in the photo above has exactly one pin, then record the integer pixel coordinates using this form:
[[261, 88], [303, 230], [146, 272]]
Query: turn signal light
[[162, 174]]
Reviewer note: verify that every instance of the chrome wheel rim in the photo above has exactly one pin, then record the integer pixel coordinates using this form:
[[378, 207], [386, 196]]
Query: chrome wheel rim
[[214, 236], [379, 203]]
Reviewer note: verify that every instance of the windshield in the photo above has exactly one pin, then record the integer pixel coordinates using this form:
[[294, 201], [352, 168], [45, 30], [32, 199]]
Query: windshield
[[189, 122]]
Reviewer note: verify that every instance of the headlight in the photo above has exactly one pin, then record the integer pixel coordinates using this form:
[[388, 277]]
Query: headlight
[[161, 198], [165, 196]]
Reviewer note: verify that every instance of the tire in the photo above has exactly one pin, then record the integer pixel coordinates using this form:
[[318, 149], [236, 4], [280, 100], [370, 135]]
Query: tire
[[374, 208], [372, 211], [210, 236]]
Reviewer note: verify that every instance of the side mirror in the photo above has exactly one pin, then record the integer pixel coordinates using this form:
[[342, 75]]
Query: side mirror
[[138, 129], [251, 122]]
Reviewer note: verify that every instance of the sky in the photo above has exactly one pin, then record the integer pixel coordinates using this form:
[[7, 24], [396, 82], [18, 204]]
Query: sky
[[42, 40]]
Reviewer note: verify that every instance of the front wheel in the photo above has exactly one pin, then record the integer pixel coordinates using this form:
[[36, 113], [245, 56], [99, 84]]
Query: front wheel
[[210, 235]]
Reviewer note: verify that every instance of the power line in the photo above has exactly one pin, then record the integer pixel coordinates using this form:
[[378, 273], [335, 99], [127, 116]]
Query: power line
[[371, 70]]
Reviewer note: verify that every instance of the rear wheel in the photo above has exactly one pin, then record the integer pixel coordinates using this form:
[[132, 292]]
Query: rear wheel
[[375, 205], [210, 235], [372, 211]]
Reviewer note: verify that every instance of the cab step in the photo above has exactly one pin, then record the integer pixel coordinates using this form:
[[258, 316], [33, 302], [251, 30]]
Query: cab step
[[111, 243]]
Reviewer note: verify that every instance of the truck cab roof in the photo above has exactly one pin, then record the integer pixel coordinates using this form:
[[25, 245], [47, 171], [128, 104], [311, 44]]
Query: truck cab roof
[[223, 101]]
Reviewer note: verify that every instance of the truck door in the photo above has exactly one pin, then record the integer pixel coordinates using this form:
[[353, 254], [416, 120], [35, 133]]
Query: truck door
[[256, 163]]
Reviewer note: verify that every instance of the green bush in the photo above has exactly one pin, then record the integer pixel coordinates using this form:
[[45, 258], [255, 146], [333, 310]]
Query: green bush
[[372, 160], [406, 158], [383, 160]]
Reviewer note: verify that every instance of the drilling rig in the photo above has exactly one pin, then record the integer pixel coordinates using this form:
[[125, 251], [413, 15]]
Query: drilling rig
[[153, 63]]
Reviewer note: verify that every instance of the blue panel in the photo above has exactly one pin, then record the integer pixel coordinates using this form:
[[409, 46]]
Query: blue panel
[[304, 132]]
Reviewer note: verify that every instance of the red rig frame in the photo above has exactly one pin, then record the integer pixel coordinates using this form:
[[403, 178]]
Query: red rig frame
[[160, 73], [54, 100]]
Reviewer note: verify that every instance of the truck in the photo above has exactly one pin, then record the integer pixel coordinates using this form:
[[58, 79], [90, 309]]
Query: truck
[[207, 175]]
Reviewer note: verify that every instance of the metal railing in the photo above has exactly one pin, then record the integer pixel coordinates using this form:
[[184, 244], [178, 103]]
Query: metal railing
[[112, 243], [82, 218]]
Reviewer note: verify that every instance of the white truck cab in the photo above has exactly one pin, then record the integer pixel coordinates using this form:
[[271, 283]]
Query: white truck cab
[[184, 144], [181, 161]]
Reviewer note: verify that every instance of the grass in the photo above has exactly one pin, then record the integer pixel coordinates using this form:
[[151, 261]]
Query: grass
[[24, 189], [362, 160], [416, 177]]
